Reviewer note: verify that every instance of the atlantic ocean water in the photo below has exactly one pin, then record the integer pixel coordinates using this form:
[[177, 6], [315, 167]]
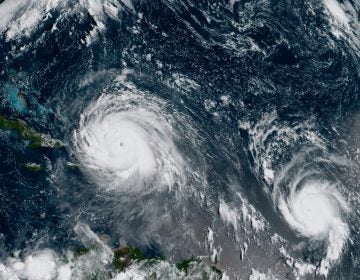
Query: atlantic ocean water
[[183, 139]]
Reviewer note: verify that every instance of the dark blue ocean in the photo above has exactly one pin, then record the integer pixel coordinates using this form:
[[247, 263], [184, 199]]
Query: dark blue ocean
[[225, 130]]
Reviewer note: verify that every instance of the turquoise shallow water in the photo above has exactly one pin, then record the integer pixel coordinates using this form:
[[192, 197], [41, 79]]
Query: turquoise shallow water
[[16, 101]]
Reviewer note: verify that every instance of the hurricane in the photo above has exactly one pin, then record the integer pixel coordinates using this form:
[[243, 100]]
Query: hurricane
[[125, 141], [313, 205]]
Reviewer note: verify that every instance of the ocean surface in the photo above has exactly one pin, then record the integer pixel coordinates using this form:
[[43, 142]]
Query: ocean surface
[[226, 133]]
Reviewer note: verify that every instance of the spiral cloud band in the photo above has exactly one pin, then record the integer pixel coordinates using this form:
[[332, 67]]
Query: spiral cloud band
[[127, 143], [314, 208]]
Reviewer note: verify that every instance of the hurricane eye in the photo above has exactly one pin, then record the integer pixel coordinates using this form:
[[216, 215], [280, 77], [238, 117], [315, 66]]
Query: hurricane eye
[[315, 210], [130, 148]]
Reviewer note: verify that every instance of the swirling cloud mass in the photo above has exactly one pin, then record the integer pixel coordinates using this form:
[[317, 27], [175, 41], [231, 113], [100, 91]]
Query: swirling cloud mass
[[316, 209], [126, 142]]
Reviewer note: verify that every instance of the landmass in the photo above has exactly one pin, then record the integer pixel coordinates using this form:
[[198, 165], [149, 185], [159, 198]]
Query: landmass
[[36, 139]]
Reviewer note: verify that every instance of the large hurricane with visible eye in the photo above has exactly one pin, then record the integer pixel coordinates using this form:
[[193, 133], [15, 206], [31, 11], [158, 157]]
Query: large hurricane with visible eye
[[315, 208], [126, 142]]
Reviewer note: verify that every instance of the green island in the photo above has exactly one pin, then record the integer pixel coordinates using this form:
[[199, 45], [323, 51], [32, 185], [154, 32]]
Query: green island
[[34, 167], [185, 264], [36, 139], [124, 257]]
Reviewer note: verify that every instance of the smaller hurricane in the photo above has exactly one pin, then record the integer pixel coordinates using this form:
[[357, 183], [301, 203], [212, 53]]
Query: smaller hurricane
[[126, 142], [313, 206]]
